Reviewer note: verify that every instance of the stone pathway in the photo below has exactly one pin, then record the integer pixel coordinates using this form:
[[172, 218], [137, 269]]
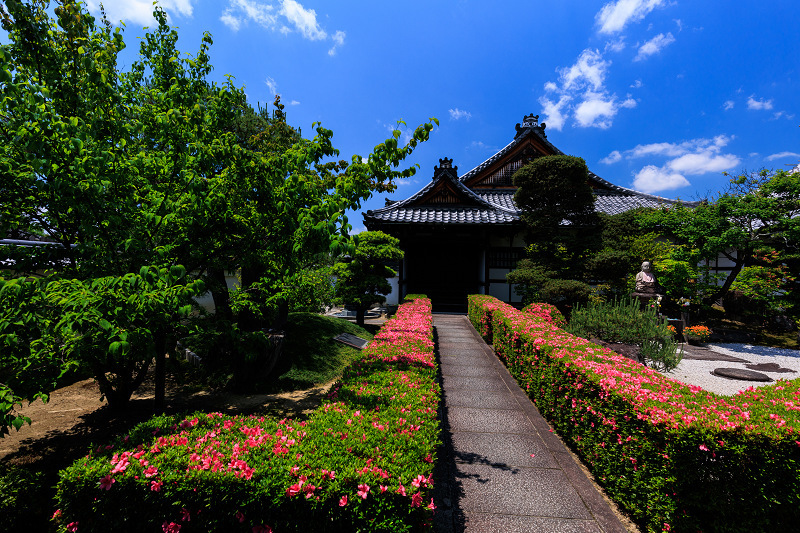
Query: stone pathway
[[502, 469]]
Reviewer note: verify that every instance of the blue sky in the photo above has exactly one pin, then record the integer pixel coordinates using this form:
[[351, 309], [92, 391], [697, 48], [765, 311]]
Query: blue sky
[[659, 95]]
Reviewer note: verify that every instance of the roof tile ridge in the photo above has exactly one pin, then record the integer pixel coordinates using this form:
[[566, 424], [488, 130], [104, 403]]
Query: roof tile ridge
[[619, 188]]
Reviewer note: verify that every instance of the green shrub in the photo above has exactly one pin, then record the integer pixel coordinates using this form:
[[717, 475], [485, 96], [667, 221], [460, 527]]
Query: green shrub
[[624, 321], [23, 493], [674, 456], [361, 462]]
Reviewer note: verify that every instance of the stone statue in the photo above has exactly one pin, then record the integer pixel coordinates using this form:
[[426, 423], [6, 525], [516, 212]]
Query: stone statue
[[646, 283]]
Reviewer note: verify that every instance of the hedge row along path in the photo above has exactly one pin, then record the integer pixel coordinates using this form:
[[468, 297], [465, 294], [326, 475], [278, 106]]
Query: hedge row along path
[[502, 468]]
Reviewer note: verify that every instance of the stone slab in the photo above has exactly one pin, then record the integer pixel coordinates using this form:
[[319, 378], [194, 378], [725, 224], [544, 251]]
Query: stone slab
[[468, 371], [741, 374], [483, 523], [473, 383], [539, 492], [456, 349], [488, 420], [478, 399], [521, 450], [449, 361]]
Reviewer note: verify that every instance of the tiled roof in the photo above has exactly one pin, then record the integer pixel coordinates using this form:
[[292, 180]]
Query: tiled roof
[[442, 215], [496, 206]]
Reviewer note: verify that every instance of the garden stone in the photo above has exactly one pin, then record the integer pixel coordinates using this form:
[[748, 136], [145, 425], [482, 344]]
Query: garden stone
[[741, 374]]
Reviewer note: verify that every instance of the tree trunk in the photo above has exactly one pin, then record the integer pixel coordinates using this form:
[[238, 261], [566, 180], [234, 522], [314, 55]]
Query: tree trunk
[[219, 292], [160, 341], [360, 312], [716, 295]]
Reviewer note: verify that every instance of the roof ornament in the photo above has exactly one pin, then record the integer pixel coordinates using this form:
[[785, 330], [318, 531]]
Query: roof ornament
[[528, 122], [445, 166]]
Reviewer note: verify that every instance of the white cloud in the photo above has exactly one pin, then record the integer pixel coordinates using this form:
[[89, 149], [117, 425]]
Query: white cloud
[[617, 45], [687, 158], [636, 84], [582, 94], [703, 163], [595, 110], [304, 20], [654, 179], [457, 114], [654, 45], [294, 102], [273, 87], [554, 112], [285, 16], [758, 105], [714, 145], [338, 40], [612, 158], [679, 24], [139, 11], [239, 11], [482, 146], [614, 16], [588, 71], [728, 105], [782, 155]]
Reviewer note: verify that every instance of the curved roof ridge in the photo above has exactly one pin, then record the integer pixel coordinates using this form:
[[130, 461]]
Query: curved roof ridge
[[634, 192]]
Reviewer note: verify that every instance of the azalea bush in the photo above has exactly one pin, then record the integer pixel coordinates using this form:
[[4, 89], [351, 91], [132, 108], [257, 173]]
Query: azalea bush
[[361, 462], [674, 456]]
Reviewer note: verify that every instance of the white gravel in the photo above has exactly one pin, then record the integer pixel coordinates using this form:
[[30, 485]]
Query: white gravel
[[697, 372]]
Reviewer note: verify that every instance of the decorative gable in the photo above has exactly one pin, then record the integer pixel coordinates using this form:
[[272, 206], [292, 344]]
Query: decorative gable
[[446, 191], [529, 143]]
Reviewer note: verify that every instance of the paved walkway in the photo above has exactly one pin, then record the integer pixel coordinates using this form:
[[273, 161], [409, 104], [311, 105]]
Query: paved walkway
[[506, 471]]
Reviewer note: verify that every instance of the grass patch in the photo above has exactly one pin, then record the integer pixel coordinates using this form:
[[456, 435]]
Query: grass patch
[[311, 356]]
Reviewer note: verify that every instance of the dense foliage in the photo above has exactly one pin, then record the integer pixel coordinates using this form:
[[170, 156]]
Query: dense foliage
[[361, 462], [625, 321], [757, 215], [361, 280], [158, 166], [676, 457]]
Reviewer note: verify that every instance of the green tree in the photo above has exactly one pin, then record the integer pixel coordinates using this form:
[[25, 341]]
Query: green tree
[[757, 214], [157, 166], [362, 281], [557, 205]]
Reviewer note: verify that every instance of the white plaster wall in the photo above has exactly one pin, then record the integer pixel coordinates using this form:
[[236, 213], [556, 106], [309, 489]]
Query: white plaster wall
[[393, 298], [206, 301]]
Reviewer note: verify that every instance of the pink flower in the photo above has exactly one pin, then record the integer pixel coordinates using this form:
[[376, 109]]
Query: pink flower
[[150, 471], [342, 501], [294, 490], [155, 486], [416, 500], [106, 482], [72, 527], [262, 529], [239, 516], [186, 516], [419, 480], [56, 515], [402, 490], [363, 489], [431, 505], [170, 527], [704, 447]]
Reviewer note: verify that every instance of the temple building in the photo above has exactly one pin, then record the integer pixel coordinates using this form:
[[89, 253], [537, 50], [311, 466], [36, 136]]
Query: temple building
[[463, 234]]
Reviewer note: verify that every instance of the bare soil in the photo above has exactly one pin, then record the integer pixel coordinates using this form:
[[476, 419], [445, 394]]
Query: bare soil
[[75, 417]]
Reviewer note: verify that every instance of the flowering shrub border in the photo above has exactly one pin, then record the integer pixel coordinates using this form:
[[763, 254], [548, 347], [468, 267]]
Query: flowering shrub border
[[361, 462], [676, 457]]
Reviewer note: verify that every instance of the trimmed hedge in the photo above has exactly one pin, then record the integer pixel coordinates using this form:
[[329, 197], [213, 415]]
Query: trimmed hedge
[[361, 462], [675, 457]]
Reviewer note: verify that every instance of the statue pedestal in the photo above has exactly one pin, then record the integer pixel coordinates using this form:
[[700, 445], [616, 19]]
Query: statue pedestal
[[644, 297]]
